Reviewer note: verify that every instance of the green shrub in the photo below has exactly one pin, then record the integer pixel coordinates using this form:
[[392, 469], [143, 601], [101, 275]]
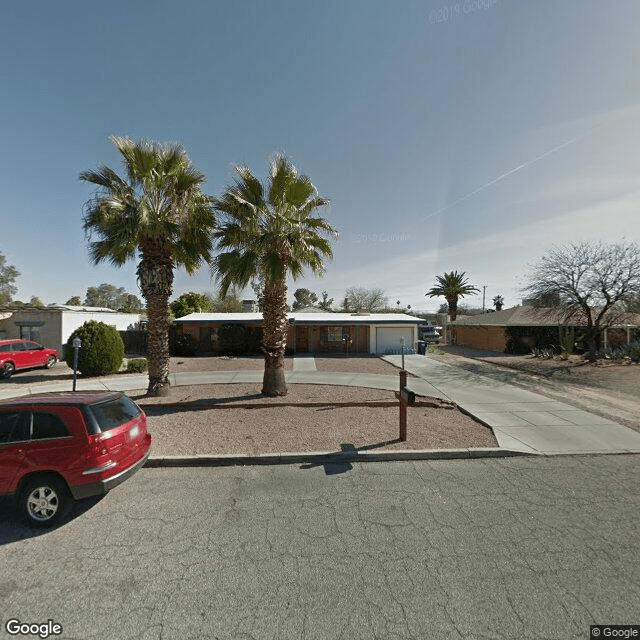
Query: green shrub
[[622, 352], [181, 344], [232, 339], [522, 340], [235, 340], [102, 349], [546, 354], [137, 365]]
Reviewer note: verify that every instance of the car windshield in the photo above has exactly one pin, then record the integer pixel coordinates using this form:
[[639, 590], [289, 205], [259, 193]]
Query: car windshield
[[110, 414]]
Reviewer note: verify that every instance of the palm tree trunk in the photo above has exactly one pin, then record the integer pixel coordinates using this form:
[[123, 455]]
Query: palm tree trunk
[[155, 275], [453, 307], [274, 336]]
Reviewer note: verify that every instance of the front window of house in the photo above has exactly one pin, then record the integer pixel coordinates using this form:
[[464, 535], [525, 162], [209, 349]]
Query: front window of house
[[30, 333]]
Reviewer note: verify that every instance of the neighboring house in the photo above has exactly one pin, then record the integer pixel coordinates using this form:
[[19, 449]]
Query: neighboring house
[[316, 332], [429, 332], [310, 309], [249, 306], [519, 329], [52, 326]]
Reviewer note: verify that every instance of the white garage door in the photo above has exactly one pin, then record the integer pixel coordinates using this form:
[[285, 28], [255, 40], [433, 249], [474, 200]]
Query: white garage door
[[388, 339]]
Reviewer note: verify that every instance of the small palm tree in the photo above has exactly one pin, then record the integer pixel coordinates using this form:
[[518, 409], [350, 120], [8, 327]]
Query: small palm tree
[[498, 302], [159, 213], [452, 286], [266, 233]]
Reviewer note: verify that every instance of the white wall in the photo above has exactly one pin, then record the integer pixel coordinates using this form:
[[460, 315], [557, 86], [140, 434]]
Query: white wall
[[71, 320]]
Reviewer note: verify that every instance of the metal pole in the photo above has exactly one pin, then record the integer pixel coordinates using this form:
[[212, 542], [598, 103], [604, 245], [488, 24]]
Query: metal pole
[[76, 343], [75, 366], [403, 407]]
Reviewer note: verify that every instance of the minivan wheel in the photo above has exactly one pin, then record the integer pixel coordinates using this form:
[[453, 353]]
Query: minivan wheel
[[51, 362], [44, 501], [7, 370]]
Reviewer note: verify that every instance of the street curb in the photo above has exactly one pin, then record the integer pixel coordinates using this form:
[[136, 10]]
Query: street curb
[[323, 457]]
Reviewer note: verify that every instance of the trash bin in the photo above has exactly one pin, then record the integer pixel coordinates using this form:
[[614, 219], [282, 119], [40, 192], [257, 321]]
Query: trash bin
[[422, 348]]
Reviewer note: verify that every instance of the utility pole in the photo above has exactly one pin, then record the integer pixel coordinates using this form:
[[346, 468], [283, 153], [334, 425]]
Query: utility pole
[[484, 290]]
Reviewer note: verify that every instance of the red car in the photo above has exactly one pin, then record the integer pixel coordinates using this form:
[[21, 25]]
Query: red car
[[60, 446], [24, 354]]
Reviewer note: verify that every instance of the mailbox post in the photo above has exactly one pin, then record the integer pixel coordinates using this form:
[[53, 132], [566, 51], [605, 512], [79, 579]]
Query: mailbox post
[[405, 397]]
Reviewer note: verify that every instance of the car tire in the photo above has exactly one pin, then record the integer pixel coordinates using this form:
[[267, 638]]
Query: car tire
[[44, 501], [7, 370], [51, 362]]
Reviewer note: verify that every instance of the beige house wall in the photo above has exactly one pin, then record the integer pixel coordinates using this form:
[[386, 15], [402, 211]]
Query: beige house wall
[[42, 325]]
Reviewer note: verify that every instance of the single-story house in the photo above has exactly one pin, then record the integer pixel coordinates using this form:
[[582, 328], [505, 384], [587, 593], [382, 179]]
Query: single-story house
[[520, 329], [53, 326], [312, 332]]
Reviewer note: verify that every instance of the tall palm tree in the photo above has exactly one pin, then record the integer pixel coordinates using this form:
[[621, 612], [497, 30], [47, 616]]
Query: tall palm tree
[[498, 302], [452, 286], [159, 213], [266, 233]]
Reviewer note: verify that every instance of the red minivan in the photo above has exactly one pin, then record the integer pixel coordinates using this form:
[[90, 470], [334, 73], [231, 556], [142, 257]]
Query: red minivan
[[59, 446]]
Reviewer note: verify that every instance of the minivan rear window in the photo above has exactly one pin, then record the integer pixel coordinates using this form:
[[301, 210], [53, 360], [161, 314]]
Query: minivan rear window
[[113, 413]]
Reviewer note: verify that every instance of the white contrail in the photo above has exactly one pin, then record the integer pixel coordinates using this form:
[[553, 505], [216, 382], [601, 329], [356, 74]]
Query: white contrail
[[505, 175]]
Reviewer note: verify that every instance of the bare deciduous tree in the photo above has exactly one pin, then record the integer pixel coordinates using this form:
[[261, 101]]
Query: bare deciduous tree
[[359, 299], [593, 282], [8, 275]]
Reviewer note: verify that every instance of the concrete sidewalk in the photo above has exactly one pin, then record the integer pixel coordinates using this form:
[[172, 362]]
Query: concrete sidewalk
[[522, 421]]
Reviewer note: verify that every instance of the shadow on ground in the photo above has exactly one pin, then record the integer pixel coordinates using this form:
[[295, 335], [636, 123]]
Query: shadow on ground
[[340, 461], [13, 528]]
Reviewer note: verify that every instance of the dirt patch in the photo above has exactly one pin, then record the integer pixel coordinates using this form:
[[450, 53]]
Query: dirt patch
[[358, 364], [222, 363], [237, 419]]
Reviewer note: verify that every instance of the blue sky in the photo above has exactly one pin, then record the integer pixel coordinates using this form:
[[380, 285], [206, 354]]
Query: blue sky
[[468, 135]]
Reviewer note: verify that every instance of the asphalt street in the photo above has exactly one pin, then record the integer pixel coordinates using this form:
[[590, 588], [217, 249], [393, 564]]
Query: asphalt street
[[511, 548]]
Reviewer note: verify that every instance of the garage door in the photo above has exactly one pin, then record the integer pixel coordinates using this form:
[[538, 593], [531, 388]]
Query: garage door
[[388, 339]]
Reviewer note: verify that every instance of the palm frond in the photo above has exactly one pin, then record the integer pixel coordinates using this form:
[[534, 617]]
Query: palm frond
[[271, 237], [283, 173], [248, 187], [299, 191]]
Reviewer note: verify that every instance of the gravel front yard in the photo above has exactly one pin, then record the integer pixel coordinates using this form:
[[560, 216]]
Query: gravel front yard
[[222, 363], [361, 364], [364, 364], [236, 419]]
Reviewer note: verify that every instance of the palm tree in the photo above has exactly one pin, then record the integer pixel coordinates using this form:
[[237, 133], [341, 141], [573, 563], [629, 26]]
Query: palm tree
[[498, 302], [452, 286], [267, 233], [159, 213]]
